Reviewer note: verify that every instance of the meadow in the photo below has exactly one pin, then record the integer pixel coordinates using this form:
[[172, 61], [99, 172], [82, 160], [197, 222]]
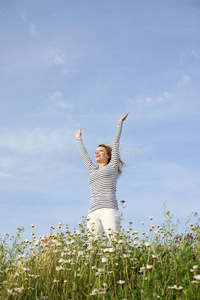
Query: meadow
[[159, 263]]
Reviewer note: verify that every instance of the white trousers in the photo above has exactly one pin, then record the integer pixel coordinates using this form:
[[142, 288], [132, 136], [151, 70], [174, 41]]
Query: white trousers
[[106, 218]]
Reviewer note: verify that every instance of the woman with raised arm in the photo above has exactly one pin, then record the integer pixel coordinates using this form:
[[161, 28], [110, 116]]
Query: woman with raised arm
[[103, 211]]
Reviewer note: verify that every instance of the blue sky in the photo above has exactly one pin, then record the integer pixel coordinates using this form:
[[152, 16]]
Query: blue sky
[[83, 64]]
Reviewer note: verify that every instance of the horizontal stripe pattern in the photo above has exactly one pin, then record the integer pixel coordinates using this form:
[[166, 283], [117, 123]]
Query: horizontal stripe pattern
[[103, 181]]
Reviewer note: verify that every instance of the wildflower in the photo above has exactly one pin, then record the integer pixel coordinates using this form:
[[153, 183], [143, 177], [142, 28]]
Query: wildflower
[[106, 250], [52, 227], [142, 223], [9, 291], [135, 243], [56, 281], [59, 268], [104, 259], [120, 242], [102, 292], [193, 281], [197, 277], [154, 256], [195, 267], [32, 225], [81, 253], [100, 270], [37, 242], [175, 287], [105, 284], [142, 269], [149, 267], [121, 281], [150, 218], [126, 255], [147, 244], [25, 269], [94, 292], [111, 250], [19, 290]]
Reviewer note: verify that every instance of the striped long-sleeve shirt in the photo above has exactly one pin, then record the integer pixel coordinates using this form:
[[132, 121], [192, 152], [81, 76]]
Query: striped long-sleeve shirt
[[103, 181]]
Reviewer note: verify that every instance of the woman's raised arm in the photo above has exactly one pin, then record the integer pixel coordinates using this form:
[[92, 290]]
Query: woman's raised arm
[[83, 152], [78, 133], [115, 147], [124, 118]]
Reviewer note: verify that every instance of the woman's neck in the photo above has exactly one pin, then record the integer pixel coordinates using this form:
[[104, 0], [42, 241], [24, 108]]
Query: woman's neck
[[101, 165]]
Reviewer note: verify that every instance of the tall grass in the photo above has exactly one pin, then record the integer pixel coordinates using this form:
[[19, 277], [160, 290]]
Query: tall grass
[[158, 264]]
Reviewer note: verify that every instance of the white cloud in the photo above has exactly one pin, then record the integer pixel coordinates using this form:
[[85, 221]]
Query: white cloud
[[149, 101], [167, 95], [57, 98], [65, 105], [185, 79], [24, 18], [54, 57], [6, 175], [2, 8], [195, 53], [32, 29], [34, 140]]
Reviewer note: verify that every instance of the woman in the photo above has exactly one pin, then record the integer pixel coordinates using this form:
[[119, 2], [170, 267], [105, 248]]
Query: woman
[[103, 211]]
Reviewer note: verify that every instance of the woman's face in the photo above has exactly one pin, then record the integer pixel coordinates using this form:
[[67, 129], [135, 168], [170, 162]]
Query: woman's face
[[101, 155]]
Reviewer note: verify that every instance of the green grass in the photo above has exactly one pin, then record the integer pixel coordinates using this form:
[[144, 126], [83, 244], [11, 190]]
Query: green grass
[[158, 264]]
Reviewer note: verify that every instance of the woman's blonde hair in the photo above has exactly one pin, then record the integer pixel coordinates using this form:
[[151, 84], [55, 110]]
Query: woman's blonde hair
[[109, 152]]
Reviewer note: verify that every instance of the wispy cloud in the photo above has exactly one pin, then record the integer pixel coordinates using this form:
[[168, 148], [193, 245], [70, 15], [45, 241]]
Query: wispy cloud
[[6, 175], [185, 79], [2, 8], [150, 101], [54, 57], [32, 29], [34, 141], [23, 17], [195, 53], [57, 98]]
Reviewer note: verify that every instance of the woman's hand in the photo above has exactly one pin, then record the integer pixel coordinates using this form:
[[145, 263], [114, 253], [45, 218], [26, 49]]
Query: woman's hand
[[78, 133], [124, 118]]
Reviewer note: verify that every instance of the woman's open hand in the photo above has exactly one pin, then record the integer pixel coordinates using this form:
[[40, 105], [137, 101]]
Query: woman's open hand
[[124, 118], [78, 133]]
